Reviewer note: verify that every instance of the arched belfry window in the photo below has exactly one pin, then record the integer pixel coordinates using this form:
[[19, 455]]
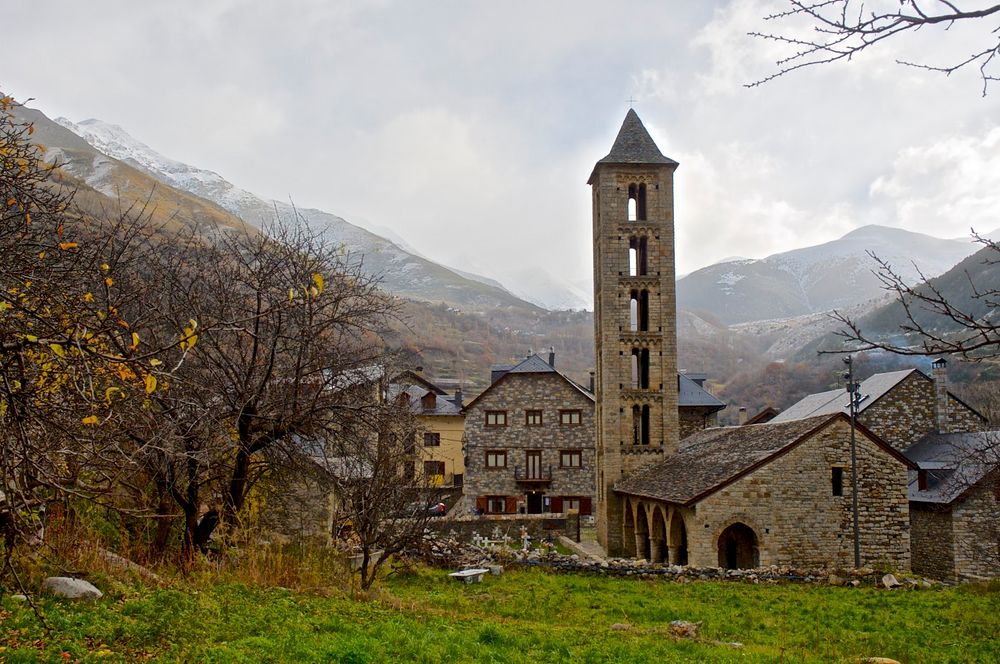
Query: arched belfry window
[[638, 311], [637, 256], [637, 202], [640, 425], [640, 368]]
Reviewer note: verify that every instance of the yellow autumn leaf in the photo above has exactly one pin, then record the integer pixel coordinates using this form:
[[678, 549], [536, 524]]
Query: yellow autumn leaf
[[150, 383], [58, 350], [105, 267], [108, 281], [68, 245], [154, 362], [27, 218], [88, 297], [90, 419], [31, 339], [318, 280], [291, 294], [41, 255], [135, 341], [110, 392]]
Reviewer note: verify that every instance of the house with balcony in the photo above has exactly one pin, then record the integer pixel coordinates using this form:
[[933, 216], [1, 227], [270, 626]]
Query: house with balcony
[[529, 442]]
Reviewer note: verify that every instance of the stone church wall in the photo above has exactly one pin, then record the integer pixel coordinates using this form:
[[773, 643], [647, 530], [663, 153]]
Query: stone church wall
[[790, 506]]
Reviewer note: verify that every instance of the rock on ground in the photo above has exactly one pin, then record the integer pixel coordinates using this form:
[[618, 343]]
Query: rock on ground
[[64, 586]]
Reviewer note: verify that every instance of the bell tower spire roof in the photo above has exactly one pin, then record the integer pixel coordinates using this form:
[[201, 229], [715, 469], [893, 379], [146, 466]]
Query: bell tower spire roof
[[634, 145]]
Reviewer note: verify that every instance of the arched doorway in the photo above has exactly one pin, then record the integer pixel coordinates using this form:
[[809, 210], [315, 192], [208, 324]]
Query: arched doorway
[[738, 547]]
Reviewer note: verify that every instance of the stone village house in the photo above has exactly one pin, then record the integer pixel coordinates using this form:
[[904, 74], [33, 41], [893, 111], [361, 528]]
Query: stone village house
[[954, 496], [541, 458], [529, 442]]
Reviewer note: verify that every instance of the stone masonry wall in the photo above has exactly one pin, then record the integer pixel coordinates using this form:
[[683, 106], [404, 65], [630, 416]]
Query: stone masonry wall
[[906, 414], [976, 523], [790, 506], [514, 394], [692, 421], [932, 545]]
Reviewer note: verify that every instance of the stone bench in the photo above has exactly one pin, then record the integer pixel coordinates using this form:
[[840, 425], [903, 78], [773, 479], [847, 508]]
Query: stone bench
[[470, 575]]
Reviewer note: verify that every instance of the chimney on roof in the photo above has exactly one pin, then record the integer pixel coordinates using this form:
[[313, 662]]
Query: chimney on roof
[[419, 370], [552, 357], [458, 400], [940, 373], [592, 383], [743, 417]]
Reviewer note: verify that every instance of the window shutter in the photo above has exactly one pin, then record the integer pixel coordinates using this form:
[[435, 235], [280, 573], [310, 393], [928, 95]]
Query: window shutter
[[481, 504], [511, 505], [557, 504], [584, 505]]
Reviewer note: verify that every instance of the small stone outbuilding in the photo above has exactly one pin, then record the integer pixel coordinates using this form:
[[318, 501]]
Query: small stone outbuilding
[[770, 494], [955, 505]]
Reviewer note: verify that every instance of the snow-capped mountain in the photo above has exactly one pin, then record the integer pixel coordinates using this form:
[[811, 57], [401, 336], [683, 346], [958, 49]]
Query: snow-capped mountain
[[832, 275], [403, 271]]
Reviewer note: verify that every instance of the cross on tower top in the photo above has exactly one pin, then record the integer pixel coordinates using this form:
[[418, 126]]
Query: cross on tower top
[[631, 101]]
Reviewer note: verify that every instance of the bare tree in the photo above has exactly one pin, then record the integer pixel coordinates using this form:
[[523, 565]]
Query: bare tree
[[932, 321], [381, 509], [282, 324], [843, 29]]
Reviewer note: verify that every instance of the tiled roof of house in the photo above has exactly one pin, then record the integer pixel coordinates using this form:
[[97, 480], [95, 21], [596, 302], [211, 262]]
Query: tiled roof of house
[[710, 459], [954, 463], [837, 401], [691, 394]]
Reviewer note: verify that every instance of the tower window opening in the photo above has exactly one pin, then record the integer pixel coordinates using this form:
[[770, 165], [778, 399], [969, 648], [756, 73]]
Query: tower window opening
[[640, 425], [640, 368], [641, 204], [639, 311], [633, 202], [644, 440], [637, 256]]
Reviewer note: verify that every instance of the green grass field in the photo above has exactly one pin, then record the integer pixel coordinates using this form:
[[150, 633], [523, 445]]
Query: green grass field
[[521, 616]]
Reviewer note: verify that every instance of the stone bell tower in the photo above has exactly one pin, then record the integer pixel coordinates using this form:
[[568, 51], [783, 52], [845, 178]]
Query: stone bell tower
[[634, 316]]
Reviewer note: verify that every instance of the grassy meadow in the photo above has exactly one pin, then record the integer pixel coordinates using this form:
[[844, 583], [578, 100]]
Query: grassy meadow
[[521, 616]]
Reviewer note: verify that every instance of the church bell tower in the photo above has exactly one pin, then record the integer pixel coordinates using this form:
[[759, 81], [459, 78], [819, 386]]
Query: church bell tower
[[634, 316]]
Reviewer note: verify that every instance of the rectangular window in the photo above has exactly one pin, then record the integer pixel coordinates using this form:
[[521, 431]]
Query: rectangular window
[[496, 459], [432, 440], [496, 504], [433, 468], [533, 418], [837, 481], [570, 417], [570, 458], [496, 418], [571, 504]]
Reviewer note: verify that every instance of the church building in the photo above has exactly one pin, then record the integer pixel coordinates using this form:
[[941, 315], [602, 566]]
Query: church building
[[734, 497]]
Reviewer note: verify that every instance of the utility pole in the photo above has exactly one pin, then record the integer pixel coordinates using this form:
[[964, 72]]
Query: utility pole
[[852, 393]]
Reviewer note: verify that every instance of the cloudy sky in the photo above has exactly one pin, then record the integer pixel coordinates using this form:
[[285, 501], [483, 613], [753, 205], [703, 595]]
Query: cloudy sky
[[469, 128]]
